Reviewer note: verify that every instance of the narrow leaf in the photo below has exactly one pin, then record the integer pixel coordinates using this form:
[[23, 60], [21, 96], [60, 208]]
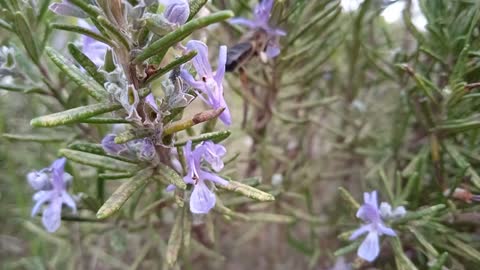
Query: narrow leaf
[[93, 88], [182, 32], [35, 137], [25, 34], [216, 137], [171, 176], [175, 240], [87, 64], [175, 63], [73, 115], [195, 6], [247, 191], [98, 161], [132, 134], [124, 192], [82, 31]]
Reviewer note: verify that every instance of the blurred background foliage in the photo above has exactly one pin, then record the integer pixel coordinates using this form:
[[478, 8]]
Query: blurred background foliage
[[352, 102]]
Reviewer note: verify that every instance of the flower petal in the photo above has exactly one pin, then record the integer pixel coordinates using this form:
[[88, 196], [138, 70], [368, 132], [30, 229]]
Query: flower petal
[[40, 198], [200, 61], [212, 177], [69, 201], [368, 213], [222, 61], [52, 214], [243, 21], [109, 145], [371, 198], [39, 180], [188, 78], [363, 229], [382, 229], [273, 50], [170, 188], [66, 9], [202, 199], [370, 247]]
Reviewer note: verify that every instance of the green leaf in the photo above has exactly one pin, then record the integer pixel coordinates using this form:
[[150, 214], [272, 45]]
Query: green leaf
[[468, 250], [162, 45], [175, 63], [345, 250], [25, 34], [171, 176], [175, 239], [347, 197], [93, 88], [216, 137], [114, 31], [87, 64], [98, 161], [124, 192], [247, 191], [402, 261], [195, 6], [269, 217], [105, 120], [132, 134], [93, 148], [419, 214], [73, 115], [35, 138], [83, 5], [463, 164], [440, 262], [82, 31], [114, 176], [429, 248], [22, 89]]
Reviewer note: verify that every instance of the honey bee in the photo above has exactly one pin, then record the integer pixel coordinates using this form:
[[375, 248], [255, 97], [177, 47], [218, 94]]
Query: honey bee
[[462, 195], [254, 44]]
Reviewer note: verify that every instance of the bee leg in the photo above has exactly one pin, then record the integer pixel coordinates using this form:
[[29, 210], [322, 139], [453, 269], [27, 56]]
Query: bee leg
[[244, 82]]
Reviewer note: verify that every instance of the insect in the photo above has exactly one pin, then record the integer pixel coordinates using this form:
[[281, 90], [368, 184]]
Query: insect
[[254, 44], [462, 195]]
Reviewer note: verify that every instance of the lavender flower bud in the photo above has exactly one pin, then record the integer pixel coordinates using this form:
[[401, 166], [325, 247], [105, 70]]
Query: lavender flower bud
[[109, 145], [39, 180], [177, 11], [66, 9]]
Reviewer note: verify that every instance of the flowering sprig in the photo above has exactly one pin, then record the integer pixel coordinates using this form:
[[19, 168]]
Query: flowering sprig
[[51, 186], [202, 199], [209, 83], [374, 218], [260, 21]]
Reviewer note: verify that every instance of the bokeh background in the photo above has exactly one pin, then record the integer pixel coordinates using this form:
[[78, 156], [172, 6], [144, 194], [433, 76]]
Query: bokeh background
[[345, 109]]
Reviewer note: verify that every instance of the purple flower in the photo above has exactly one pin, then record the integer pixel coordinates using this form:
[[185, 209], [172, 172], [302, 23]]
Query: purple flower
[[213, 154], [109, 145], [51, 186], [143, 149], [202, 198], [370, 213], [209, 84], [94, 49], [260, 21], [65, 8], [177, 11]]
